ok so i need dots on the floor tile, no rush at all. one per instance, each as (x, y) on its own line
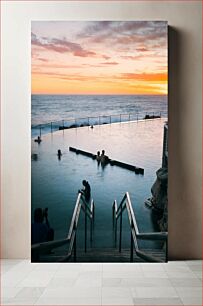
(61, 282)
(173, 283)
(189, 291)
(67, 274)
(117, 301)
(122, 274)
(193, 262)
(69, 301)
(198, 274)
(185, 282)
(30, 292)
(49, 267)
(147, 282)
(9, 292)
(116, 292)
(159, 274)
(73, 292)
(22, 301)
(192, 301)
(153, 267)
(157, 301)
(37, 279)
(195, 268)
(178, 274)
(113, 282)
(177, 268)
(155, 292)
(88, 282)
(96, 267)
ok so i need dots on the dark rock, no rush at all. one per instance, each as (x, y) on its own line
(159, 192)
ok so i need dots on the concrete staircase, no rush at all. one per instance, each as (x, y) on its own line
(107, 255)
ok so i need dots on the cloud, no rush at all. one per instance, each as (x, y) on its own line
(142, 49)
(132, 57)
(42, 59)
(106, 57)
(148, 77)
(124, 32)
(61, 46)
(55, 66)
(109, 63)
(63, 76)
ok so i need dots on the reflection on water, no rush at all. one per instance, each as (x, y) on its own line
(55, 182)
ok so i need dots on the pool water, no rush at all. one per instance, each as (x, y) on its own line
(55, 183)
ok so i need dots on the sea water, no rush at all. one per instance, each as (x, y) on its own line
(75, 109)
(55, 183)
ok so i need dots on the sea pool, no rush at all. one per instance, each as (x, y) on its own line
(55, 183)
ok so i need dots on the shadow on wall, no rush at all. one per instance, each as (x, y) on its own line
(174, 143)
(181, 219)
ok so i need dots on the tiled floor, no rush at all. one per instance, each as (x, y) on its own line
(174, 283)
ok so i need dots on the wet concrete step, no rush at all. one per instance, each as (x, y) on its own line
(105, 255)
(108, 255)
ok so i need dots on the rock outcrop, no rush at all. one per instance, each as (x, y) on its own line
(159, 199)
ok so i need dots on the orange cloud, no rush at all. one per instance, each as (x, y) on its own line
(148, 77)
(80, 84)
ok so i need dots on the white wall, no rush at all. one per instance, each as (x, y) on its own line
(184, 18)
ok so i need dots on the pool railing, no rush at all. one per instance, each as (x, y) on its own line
(40, 249)
(63, 124)
(135, 235)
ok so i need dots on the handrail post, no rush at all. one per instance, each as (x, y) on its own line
(120, 117)
(113, 213)
(91, 227)
(115, 232)
(92, 220)
(131, 243)
(129, 117)
(120, 238)
(85, 228)
(88, 121)
(51, 128)
(40, 130)
(166, 250)
(110, 119)
(75, 245)
(93, 213)
(63, 124)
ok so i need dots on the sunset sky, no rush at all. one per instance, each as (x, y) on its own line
(104, 57)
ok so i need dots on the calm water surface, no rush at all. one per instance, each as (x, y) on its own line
(55, 183)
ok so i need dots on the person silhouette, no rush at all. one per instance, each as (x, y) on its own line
(40, 230)
(86, 191)
(59, 154)
(38, 140)
(104, 158)
(98, 156)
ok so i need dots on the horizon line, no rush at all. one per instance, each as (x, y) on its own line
(93, 94)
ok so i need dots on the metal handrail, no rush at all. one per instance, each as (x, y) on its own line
(42, 248)
(74, 122)
(117, 212)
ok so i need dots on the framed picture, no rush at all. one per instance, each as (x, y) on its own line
(99, 141)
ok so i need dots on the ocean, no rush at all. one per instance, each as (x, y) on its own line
(72, 110)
